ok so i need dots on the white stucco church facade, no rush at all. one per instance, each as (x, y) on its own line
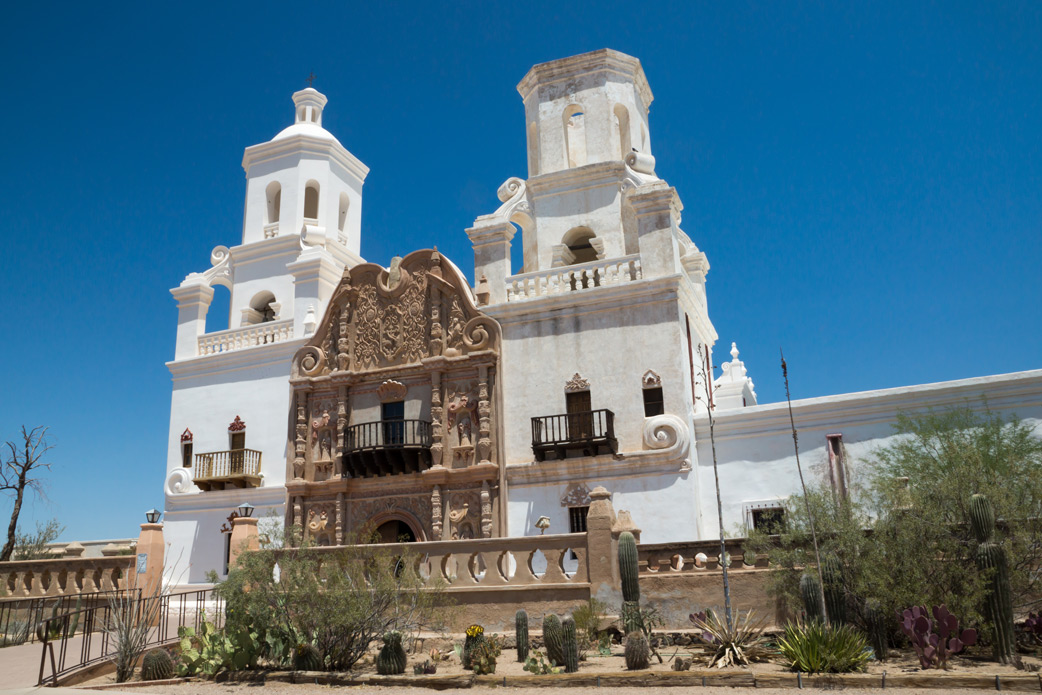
(426, 401)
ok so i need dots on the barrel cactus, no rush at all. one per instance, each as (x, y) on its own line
(553, 639)
(307, 658)
(835, 592)
(638, 651)
(875, 624)
(475, 636)
(157, 666)
(390, 660)
(571, 645)
(521, 634)
(991, 558)
(628, 568)
(810, 590)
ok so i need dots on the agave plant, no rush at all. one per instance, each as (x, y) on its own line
(815, 647)
(738, 645)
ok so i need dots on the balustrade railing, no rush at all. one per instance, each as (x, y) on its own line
(237, 463)
(529, 561)
(246, 337)
(64, 576)
(694, 556)
(573, 278)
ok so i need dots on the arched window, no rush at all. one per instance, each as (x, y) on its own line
(622, 122)
(274, 195)
(580, 242)
(264, 308)
(341, 221)
(575, 135)
(311, 201)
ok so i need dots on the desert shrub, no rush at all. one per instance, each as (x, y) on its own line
(340, 600)
(902, 536)
(588, 617)
(34, 544)
(815, 647)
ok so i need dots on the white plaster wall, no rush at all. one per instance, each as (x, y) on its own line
(755, 450)
(662, 505)
(267, 273)
(610, 346)
(597, 207)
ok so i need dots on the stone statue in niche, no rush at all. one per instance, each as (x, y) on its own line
(321, 438)
(317, 526)
(461, 418)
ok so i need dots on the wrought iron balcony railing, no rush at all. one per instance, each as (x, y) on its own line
(218, 470)
(590, 432)
(387, 447)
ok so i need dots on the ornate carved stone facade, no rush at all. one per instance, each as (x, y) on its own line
(395, 407)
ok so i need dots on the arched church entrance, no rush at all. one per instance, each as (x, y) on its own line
(394, 531)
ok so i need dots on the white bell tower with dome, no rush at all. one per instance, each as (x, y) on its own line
(227, 438)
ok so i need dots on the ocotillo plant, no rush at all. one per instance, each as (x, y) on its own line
(521, 634)
(991, 558)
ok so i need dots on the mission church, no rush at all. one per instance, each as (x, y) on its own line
(422, 402)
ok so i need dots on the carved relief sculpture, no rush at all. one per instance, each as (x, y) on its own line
(436, 513)
(577, 383)
(301, 442)
(486, 511)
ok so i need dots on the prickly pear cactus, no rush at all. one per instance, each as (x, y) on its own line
(553, 639)
(306, 658)
(521, 635)
(157, 666)
(628, 568)
(638, 652)
(390, 660)
(571, 645)
(835, 593)
(810, 590)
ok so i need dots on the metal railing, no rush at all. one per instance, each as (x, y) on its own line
(227, 464)
(592, 431)
(19, 618)
(389, 434)
(85, 636)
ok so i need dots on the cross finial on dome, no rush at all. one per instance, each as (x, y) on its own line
(310, 78)
(734, 351)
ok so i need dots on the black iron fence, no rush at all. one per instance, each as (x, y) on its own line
(388, 434)
(19, 617)
(86, 636)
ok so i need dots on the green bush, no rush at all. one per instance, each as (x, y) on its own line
(907, 507)
(815, 647)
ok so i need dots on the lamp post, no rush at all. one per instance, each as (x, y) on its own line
(152, 515)
(245, 510)
(148, 569)
(244, 533)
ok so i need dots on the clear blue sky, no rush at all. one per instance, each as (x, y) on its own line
(866, 183)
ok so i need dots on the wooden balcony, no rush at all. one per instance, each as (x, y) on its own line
(590, 433)
(220, 470)
(387, 447)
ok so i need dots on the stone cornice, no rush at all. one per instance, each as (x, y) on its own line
(653, 198)
(603, 60)
(419, 371)
(1002, 391)
(493, 233)
(304, 145)
(222, 500)
(550, 307)
(287, 244)
(595, 175)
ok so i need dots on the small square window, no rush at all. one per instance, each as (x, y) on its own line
(770, 520)
(653, 403)
(186, 455)
(577, 519)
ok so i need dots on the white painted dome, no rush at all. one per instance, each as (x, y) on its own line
(308, 105)
(310, 129)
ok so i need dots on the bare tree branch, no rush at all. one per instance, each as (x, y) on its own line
(22, 471)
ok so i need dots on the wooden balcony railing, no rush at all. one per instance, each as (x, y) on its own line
(387, 447)
(591, 432)
(219, 470)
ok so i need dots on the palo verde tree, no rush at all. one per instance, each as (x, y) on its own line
(20, 472)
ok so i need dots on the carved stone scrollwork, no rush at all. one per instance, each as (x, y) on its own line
(178, 482)
(391, 390)
(577, 495)
(576, 383)
(514, 196)
(484, 417)
(650, 380)
(311, 360)
(437, 413)
(486, 511)
(300, 444)
(436, 526)
(476, 333)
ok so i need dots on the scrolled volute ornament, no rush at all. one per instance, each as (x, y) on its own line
(178, 482)
(310, 360)
(665, 432)
(477, 334)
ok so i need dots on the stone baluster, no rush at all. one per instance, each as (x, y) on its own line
(437, 423)
(484, 417)
(300, 445)
(436, 513)
(341, 428)
(340, 518)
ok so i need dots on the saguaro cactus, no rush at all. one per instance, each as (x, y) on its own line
(553, 639)
(991, 558)
(810, 590)
(875, 621)
(835, 594)
(571, 645)
(521, 634)
(628, 572)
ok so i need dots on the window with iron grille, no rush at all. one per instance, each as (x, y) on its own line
(769, 520)
(577, 519)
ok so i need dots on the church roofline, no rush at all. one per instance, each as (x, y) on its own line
(585, 63)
